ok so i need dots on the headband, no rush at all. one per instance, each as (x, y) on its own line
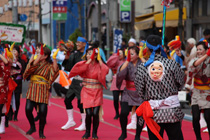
(81, 39)
(152, 56)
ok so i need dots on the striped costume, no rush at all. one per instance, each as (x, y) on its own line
(42, 76)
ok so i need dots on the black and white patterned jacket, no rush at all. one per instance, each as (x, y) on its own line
(172, 82)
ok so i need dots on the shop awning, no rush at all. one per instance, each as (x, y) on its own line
(144, 24)
(145, 16)
(172, 18)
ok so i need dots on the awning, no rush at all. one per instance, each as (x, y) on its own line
(144, 24)
(145, 16)
(172, 18)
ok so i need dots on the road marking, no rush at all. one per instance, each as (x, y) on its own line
(107, 123)
(21, 131)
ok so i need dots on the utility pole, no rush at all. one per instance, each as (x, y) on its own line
(99, 22)
(14, 12)
(107, 29)
(40, 21)
(180, 26)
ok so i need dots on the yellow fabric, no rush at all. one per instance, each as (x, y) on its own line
(44, 45)
(141, 52)
(35, 57)
(12, 46)
(98, 56)
(9, 54)
(172, 54)
(126, 52)
(39, 79)
(55, 53)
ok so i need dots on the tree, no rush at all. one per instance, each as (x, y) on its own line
(73, 37)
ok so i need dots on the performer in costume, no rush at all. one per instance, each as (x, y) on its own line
(94, 72)
(200, 100)
(18, 79)
(42, 73)
(5, 71)
(158, 82)
(129, 97)
(114, 61)
(75, 87)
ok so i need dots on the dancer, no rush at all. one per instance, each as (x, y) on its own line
(18, 79)
(129, 96)
(75, 87)
(94, 72)
(158, 82)
(42, 73)
(114, 61)
(5, 68)
(199, 70)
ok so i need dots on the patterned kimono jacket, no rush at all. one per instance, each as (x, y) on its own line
(129, 94)
(172, 82)
(42, 75)
(94, 77)
(201, 90)
(113, 63)
(4, 79)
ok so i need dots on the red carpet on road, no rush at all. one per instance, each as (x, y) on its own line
(109, 129)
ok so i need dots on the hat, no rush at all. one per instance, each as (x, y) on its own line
(70, 45)
(174, 44)
(132, 40)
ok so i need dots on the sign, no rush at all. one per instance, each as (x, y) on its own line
(59, 9)
(118, 35)
(10, 33)
(23, 17)
(125, 10)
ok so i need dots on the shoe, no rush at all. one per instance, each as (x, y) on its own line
(86, 135)
(82, 126)
(2, 125)
(116, 117)
(70, 122)
(205, 130)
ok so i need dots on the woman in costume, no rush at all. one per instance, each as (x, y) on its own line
(5, 68)
(94, 72)
(42, 73)
(114, 61)
(130, 96)
(199, 70)
(18, 78)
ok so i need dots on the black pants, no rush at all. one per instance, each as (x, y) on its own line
(68, 103)
(17, 93)
(125, 109)
(196, 118)
(59, 89)
(173, 131)
(92, 112)
(42, 110)
(116, 94)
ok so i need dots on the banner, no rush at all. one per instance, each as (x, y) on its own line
(10, 33)
(118, 35)
(59, 9)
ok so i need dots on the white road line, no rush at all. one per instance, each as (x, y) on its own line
(21, 131)
(130, 132)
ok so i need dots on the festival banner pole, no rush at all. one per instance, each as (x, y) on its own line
(164, 22)
(165, 4)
